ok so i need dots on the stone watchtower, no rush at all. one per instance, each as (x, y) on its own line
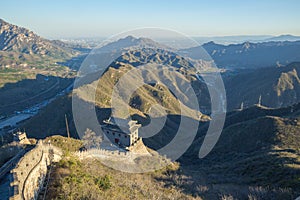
(121, 132)
(21, 137)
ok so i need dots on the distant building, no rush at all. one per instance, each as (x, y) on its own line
(21, 137)
(121, 132)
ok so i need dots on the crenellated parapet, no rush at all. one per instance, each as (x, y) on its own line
(30, 172)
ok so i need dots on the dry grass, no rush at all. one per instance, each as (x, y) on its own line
(76, 180)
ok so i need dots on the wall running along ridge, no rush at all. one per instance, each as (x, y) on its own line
(29, 174)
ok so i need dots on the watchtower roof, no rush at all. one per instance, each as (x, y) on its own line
(121, 125)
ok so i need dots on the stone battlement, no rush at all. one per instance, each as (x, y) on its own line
(30, 172)
(96, 151)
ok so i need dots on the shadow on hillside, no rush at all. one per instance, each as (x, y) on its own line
(28, 92)
(54, 114)
(242, 160)
(267, 84)
(260, 174)
(242, 157)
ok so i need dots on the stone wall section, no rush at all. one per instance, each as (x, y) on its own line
(29, 174)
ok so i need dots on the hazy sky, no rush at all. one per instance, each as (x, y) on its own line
(74, 18)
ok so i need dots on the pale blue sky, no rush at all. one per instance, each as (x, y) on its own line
(74, 18)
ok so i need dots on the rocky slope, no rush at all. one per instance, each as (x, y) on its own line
(177, 73)
(19, 45)
(258, 147)
(274, 86)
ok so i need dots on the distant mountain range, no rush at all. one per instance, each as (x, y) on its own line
(283, 38)
(251, 55)
(19, 45)
(235, 56)
(131, 42)
(225, 40)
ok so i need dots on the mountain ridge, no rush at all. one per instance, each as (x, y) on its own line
(284, 37)
(19, 45)
(249, 55)
(274, 86)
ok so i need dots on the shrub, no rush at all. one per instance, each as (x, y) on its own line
(103, 182)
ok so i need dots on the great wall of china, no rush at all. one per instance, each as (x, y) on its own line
(28, 176)
(27, 180)
(136, 150)
(102, 153)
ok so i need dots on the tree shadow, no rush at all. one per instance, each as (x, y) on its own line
(54, 115)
